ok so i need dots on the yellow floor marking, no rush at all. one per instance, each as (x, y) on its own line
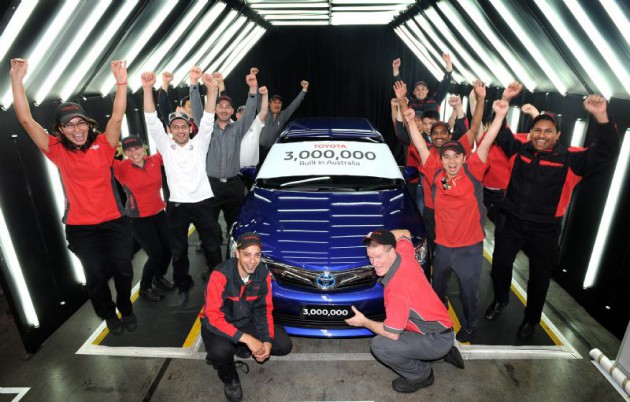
(193, 334)
(518, 294)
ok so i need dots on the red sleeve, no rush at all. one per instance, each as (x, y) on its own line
(466, 144)
(157, 157)
(212, 308)
(476, 166)
(54, 149)
(429, 168)
(119, 170)
(397, 311)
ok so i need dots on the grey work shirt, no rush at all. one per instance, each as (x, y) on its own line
(223, 160)
(273, 126)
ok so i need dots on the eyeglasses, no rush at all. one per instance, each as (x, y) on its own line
(176, 127)
(71, 126)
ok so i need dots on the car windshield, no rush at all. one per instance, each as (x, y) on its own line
(329, 183)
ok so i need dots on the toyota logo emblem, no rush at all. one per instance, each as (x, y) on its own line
(326, 280)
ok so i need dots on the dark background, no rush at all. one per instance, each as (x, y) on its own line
(349, 70)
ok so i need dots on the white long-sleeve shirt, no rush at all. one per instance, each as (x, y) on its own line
(185, 165)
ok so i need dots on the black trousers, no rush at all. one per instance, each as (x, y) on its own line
(428, 218)
(221, 349)
(105, 250)
(228, 197)
(540, 242)
(152, 234)
(180, 216)
(493, 200)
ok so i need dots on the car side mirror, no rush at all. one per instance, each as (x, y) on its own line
(248, 173)
(410, 172)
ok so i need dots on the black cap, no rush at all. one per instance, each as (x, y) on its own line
(225, 98)
(546, 116)
(420, 83)
(248, 239)
(381, 236)
(131, 142)
(68, 110)
(178, 115)
(275, 97)
(454, 146)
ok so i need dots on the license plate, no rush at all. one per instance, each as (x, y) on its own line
(325, 312)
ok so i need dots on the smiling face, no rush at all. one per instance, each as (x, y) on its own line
(76, 130)
(544, 135)
(440, 136)
(420, 91)
(452, 162)
(181, 131)
(381, 257)
(135, 155)
(224, 111)
(248, 259)
(427, 122)
(275, 106)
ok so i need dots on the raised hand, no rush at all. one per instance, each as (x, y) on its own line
(217, 76)
(455, 101)
(254, 70)
(195, 74)
(252, 82)
(263, 90)
(394, 102)
(448, 61)
(148, 80)
(19, 69)
(597, 106)
(500, 108)
(511, 91)
(119, 69)
(396, 63)
(530, 109)
(209, 81)
(480, 89)
(409, 115)
(167, 77)
(400, 89)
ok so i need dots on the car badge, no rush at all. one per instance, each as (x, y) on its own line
(326, 280)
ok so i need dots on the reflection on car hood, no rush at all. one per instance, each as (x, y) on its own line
(322, 230)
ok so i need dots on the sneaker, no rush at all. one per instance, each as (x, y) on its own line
(455, 358)
(114, 325)
(151, 295)
(465, 335)
(163, 283)
(401, 384)
(130, 322)
(233, 391)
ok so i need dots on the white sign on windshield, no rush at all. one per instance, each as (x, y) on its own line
(330, 158)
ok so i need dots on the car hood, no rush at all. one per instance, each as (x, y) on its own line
(322, 230)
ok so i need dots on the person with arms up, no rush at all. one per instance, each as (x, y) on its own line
(237, 316)
(141, 178)
(96, 229)
(544, 173)
(190, 193)
(417, 329)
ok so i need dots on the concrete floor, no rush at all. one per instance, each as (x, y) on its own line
(326, 370)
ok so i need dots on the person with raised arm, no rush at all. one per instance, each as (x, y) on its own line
(190, 193)
(97, 231)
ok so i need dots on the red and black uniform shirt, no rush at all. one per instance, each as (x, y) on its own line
(142, 185)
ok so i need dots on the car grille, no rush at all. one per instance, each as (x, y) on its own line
(296, 321)
(325, 281)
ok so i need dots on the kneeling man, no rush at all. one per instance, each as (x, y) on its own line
(417, 327)
(237, 316)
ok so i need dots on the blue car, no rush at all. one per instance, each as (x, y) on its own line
(324, 185)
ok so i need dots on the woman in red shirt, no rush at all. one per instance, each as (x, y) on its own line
(96, 229)
(141, 177)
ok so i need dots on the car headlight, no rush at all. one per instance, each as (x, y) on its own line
(422, 252)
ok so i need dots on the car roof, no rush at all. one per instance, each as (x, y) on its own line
(330, 128)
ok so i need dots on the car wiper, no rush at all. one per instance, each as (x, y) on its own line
(378, 187)
(309, 180)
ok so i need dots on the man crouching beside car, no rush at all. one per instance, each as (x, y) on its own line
(417, 327)
(236, 318)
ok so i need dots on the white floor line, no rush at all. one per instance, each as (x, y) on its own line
(20, 392)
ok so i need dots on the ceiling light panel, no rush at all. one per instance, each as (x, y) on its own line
(15, 25)
(419, 51)
(619, 17)
(242, 51)
(229, 53)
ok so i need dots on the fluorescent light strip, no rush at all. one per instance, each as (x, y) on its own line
(140, 40)
(257, 6)
(419, 52)
(234, 38)
(124, 127)
(382, 7)
(89, 59)
(608, 53)
(421, 22)
(43, 46)
(253, 39)
(15, 272)
(71, 49)
(372, 2)
(494, 66)
(506, 54)
(226, 36)
(446, 109)
(530, 46)
(229, 53)
(60, 202)
(182, 73)
(166, 46)
(272, 17)
(609, 210)
(308, 12)
(617, 15)
(479, 71)
(276, 22)
(361, 18)
(15, 25)
(581, 55)
(514, 117)
(579, 132)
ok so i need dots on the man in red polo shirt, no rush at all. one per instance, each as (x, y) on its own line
(417, 329)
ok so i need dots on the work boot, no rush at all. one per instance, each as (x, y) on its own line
(455, 358)
(163, 283)
(494, 310)
(114, 325)
(150, 295)
(233, 391)
(526, 331)
(401, 384)
(465, 334)
(130, 322)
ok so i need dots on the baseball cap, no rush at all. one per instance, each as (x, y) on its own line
(546, 116)
(248, 239)
(68, 110)
(131, 142)
(381, 236)
(275, 97)
(420, 83)
(440, 123)
(453, 146)
(178, 115)
(225, 98)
